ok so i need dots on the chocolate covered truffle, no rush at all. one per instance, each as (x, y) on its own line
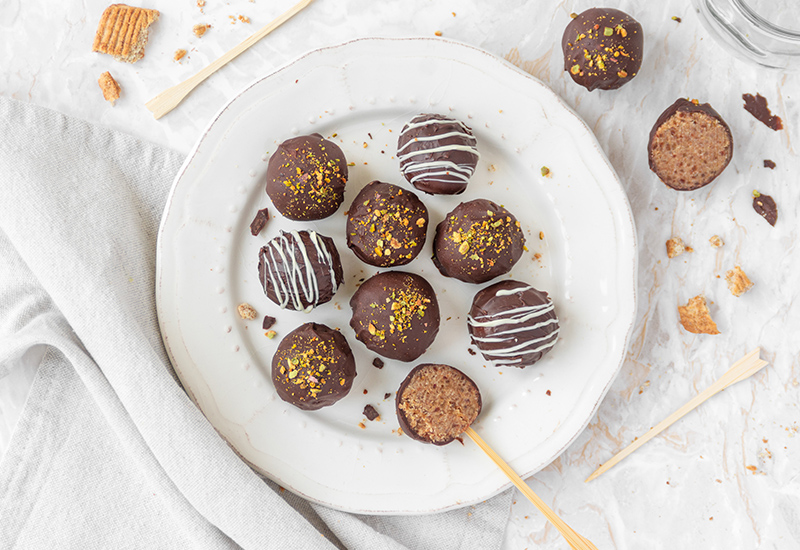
(477, 241)
(512, 324)
(437, 403)
(306, 177)
(300, 270)
(395, 314)
(602, 48)
(689, 145)
(313, 367)
(386, 225)
(437, 154)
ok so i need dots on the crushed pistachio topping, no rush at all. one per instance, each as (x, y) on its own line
(307, 367)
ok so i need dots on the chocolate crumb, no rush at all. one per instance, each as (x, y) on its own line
(757, 106)
(547, 392)
(259, 222)
(365, 391)
(386, 396)
(769, 164)
(268, 322)
(471, 351)
(377, 363)
(765, 206)
(371, 413)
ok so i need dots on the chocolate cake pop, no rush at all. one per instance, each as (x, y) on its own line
(437, 403)
(437, 154)
(690, 145)
(306, 177)
(313, 367)
(300, 270)
(512, 324)
(602, 48)
(386, 225)
(477, 241)
(395, 314)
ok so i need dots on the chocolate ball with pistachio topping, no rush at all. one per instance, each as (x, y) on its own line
(395, 314)
(477, 241)
(386, 225)
(602, 48)
(313, 367)
(306, 177)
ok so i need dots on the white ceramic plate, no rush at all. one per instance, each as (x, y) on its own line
(363, 92)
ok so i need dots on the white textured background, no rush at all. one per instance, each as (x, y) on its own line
(689, 488)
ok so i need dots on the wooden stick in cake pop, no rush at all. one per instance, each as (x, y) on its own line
(438, 403)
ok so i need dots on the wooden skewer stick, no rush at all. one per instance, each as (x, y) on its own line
(171, 97)
(575, 541)
(744, 368)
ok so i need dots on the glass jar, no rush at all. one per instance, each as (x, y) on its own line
(766, 32)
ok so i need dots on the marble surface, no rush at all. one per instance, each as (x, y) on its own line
(727, 475)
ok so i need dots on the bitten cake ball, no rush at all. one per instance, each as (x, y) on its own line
(437, 403)
(395, 314)
(477, 241)
(689, 145)
(512, 324)
(300, 270)
(386, 225)
(313, 367)
(306, 177)
(602, 48)
(437, 154)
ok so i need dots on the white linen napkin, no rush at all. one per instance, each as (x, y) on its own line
(109, 452)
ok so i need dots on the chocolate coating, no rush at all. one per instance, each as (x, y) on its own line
(512, 324)
(437, 403)
(437, 154)
(689, 146)
(306, 177)
(396, 315)
(477, 241)
(300, 270)
(602, 48)
(313, 367)
(386, 225)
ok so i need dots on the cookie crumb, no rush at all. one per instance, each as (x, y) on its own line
(438, 33)
(244, 19)
(696, 318)
(179, 54)
(200, 30)
(738, 282)
(716, 241)
(109, 87)
(246, 311)
(676, 247)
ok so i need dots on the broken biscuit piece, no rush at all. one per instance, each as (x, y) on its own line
(716, 241)
(738, 281)
(676, 247)
(109, 86)
(696, 318)
(123, 32)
